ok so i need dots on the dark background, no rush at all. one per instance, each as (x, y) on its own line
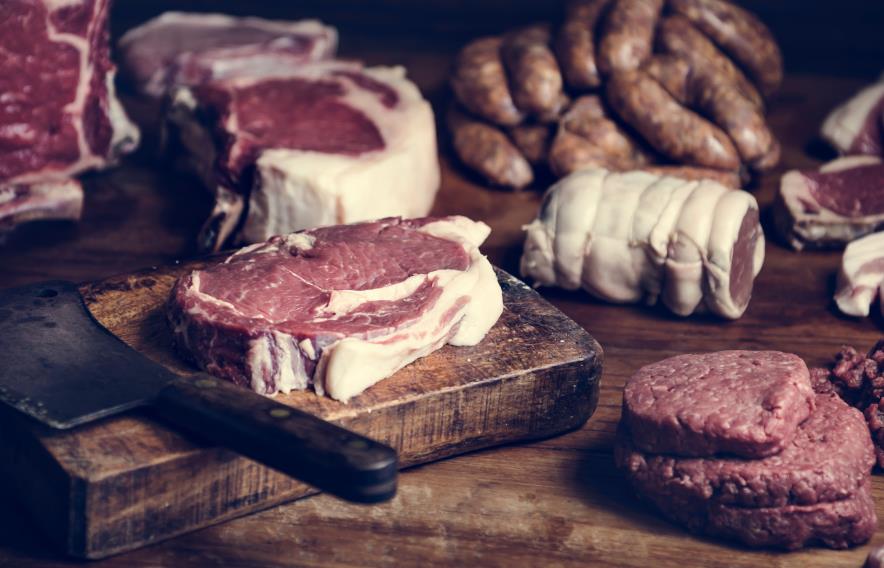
(837, 37)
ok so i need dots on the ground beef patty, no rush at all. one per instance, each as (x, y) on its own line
(746, 403)
(837, 524)
(828, 459)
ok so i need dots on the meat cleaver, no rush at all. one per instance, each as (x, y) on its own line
(59, 366)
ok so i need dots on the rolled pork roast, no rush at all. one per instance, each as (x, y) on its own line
(636, 236)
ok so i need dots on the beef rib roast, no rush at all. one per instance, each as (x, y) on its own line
(315, 145)
(180, 48)
(338, 308)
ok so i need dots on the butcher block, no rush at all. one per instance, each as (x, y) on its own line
(131, 480)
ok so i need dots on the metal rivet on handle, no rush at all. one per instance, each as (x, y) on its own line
(357, 443)
(280, 412)
(207, 383)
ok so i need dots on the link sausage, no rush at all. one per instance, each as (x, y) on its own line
(575, 44)
(741, 35)
(670, 128)
(628, 34)
(479, 82)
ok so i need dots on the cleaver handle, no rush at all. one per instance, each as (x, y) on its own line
(301, 445)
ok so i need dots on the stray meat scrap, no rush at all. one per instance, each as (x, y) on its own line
(859, 380)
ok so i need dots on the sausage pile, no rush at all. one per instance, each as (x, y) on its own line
(623, 85)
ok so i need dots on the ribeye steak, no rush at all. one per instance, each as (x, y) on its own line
(339, 307)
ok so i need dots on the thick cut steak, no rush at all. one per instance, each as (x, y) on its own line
(314, 145)
(857, 126)
(841, 202)
(340, 307)
(637, 236)
(62, 199)
(58, 112)
(179, 48)
(861, 277)
(744, 403)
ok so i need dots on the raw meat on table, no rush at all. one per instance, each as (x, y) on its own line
(314, 145)
(841, 202)
(180, 48)
(338, 308)
(861, 278)
(857, 126)
(59, 115)
(62, 199)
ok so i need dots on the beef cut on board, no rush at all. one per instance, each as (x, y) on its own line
(338, 308)
(181, 48)
(59, 114)
(310, 145)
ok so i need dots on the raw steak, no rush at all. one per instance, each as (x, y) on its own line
(21, 203)
(637, 236)
(829, 459)
(338, 307)
(857, 126)
(314, 145)
(842, 201)
(861, 277)
(179, 48)
(744, 403)
(58, 112)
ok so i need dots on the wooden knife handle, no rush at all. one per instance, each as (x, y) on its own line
(294, 442)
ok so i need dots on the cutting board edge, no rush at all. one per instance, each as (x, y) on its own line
(86, 542)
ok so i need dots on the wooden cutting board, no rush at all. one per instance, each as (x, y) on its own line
(129, 481)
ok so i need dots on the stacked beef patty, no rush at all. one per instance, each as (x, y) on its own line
(737, 444)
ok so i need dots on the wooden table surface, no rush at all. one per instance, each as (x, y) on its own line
(558, 502)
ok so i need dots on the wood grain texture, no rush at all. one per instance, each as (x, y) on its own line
(557, 502)
(133, 480)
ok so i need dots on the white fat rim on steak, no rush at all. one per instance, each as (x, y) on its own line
(350, 365)
(295, 189)
(845, 123)
(861, 275)
(634, 235)
(824, 224)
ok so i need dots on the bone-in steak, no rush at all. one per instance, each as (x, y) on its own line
(314, 145)
(179, 48)
(338, 307)
(58, 111)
